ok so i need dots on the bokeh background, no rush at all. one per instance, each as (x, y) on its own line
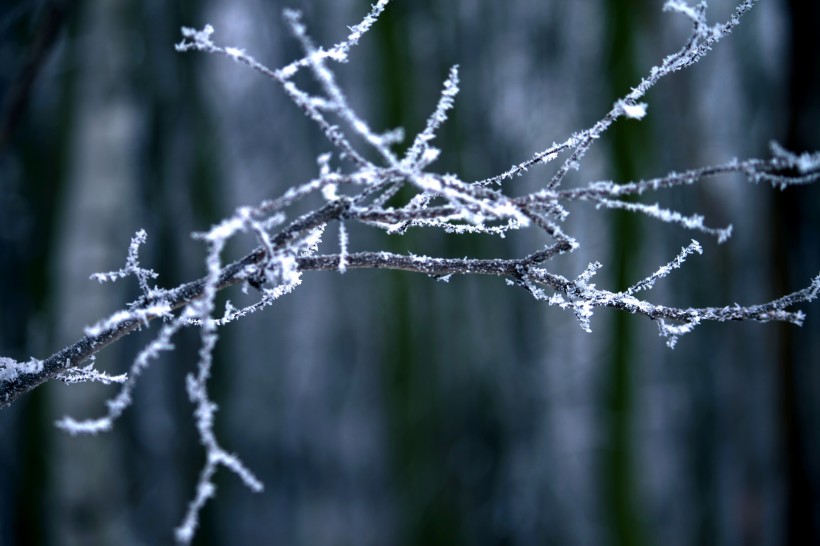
(388, 408)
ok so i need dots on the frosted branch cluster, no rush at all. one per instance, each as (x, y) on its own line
(355, 189)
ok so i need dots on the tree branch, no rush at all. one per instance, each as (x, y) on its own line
(370, 195)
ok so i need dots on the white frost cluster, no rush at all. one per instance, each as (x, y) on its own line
(11, 370)
(635, 110)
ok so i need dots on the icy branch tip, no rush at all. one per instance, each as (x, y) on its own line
(804, 163)
(199, 39)
(74, 427)
(696, 13)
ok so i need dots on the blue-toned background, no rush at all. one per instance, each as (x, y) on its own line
(386, 408)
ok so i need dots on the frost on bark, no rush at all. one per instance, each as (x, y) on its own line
(371, 178)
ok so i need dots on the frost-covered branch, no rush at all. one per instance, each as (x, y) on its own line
(352, 189)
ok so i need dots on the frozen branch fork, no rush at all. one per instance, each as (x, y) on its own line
(358, 190)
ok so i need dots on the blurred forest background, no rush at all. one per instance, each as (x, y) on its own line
(387, 408)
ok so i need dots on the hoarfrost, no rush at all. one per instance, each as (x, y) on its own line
(374, 193)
